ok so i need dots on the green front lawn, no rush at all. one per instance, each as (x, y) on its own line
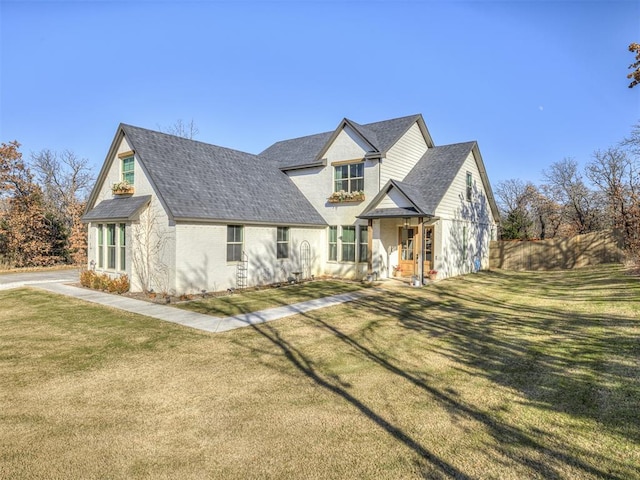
(506, 375)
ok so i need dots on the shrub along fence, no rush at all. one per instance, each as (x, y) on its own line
(557, 253)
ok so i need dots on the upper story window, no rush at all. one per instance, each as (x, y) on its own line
(469, 186)
(126, 167)
(349, 177)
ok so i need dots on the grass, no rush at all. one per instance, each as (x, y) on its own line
(5, 268)
(504, 375)
(254, 300)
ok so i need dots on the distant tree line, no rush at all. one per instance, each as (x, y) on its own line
(570, 201)
(41, 203)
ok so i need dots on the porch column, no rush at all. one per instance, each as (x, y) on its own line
(421, 250)
(370, 246)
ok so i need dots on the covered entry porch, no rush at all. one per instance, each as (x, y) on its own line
(401, 243)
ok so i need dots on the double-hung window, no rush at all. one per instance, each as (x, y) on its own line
(235, 239)
(100, 246)
(123, 246)
(363, 244)
(349, 177)
(348, 243)
(282, 242)
(333, 244)
(469, 186)
(127, 169)
(111, 246)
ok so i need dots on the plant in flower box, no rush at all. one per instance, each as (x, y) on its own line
(344, 196)
(122, 188)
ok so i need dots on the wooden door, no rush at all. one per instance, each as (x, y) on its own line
(407, 253)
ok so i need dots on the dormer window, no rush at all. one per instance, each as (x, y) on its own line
(126, 167)
(349, 177)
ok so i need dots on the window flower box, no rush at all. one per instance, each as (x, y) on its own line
(343, 196)
(122, 188)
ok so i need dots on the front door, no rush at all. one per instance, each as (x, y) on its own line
(407, 253)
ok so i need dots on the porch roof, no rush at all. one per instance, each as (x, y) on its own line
(117, 208)
(393, 213)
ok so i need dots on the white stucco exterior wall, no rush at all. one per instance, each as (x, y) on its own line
(317, 185)
(161, 277)
(202, 263)
(466, 227)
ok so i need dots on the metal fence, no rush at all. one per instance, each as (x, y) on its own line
(557, 253)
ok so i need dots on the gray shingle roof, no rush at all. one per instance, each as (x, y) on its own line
(428, 181)
(390, 213)
(297, 151)
(388, 132)
(201, 181)
(117, 208)
(305, 150)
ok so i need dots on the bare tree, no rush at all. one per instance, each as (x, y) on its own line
(632, 142)
(565, 185)
(181, 129)
(515, 200)
(547, 213)
(617, 176)
(65, 180)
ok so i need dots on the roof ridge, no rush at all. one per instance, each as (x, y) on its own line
(469, 142)
(415, 115)
(366, 132)
(184, 139)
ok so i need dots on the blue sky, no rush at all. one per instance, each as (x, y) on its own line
(532, 81)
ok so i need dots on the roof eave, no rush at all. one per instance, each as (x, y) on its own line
(106, 165)
(485, 180)
(383, 191)
(336, 132)
(322, 163)
(227, 221)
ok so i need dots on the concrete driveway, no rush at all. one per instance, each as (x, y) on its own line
(15, 280)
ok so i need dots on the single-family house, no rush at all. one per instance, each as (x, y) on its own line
(379, 199)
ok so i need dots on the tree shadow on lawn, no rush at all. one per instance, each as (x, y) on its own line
(582, 364)
(473, 331)
(557, 284)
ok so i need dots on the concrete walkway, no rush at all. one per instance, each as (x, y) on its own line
(193, 319)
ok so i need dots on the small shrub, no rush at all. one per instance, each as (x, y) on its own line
(86, 278)
(102, 281)
(97, 281)
(119, 285)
